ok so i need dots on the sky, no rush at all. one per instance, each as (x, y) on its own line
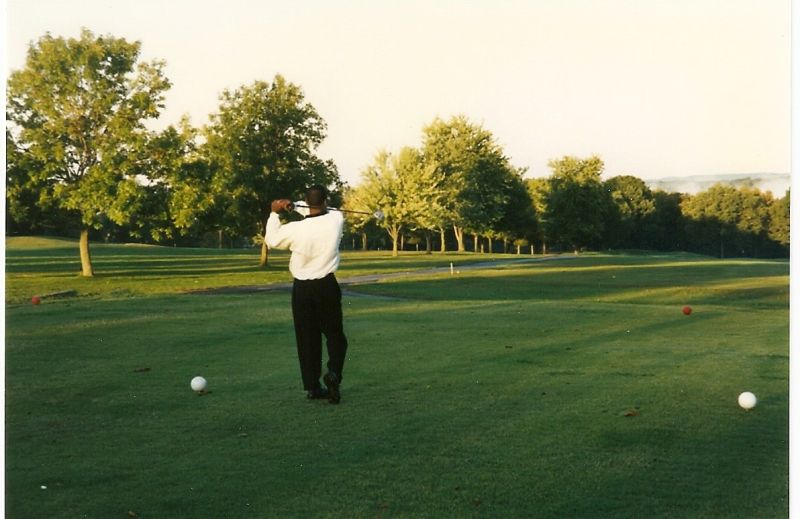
(656, 88)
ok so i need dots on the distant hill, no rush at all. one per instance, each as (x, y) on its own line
(778, 183)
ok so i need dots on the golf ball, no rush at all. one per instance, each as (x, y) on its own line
(199, 384)
(747, 400)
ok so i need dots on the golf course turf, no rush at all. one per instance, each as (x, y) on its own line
(573, 387)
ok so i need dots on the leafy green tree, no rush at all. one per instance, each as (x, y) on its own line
(447, 147)
(711, 218)
(26, 210)
(414, 183)
(779, 221)
(728, 221)
(356, 223)
(577, 203)
(632, 203)
(425, 190)
(664, 227)
(77, 110)
(389, 184)
(517, 222)
(261, 145)
(474, 173)
(753, 221)
(486, 196)
(714, 219)
(178, 199)
(538, 190)
(363, 222)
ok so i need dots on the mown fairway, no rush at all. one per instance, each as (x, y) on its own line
(567, 388)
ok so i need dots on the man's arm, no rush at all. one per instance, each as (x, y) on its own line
(277, 235)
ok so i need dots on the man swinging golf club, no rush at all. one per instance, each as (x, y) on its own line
(316, 296)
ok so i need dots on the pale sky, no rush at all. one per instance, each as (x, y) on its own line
(657, 88)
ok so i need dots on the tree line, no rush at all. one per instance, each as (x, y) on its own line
(80, 160)
(459, 181)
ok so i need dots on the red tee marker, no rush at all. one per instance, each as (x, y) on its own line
(687, 310)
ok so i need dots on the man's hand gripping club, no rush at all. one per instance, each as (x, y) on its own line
(282, 204)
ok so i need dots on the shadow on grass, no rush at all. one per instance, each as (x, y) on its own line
(144, 270)
(756, 283)
(134, 265)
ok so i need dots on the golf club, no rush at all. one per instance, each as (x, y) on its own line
(377, 214)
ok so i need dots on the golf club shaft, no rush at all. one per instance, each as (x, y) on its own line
(331, 208)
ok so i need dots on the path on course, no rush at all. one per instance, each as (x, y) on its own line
(374, 278)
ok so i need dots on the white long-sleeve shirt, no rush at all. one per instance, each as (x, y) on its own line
(314, 242)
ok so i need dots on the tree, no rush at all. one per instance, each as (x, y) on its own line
(389, 184)
(425, 191)
(706, 223)
(262, 145)
(77, 110)
(779, 221)
(179, 199)
(517, 222)
(539, 191)
(486, 194)
(664, 227)
(26, 210)
(473, 171)
(728, 221)
(713, 216)
(753, 221)
(577, 203)
(356, 223)
(632, 203)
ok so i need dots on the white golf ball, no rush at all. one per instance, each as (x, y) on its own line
(747, 400)
(199, 384)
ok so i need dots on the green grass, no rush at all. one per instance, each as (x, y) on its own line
(46, 265)
(570, 388)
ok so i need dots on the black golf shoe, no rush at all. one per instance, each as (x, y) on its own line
(332, 381)
(318, 393)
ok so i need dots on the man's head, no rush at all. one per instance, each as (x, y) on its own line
(316, 196)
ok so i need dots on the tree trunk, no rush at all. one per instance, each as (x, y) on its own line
(402, 242)
(459, 237)
(219, 246)
(491, 245)
(475, 243)
(443, 245)
(531, 249)
(428, 245)
(519, 250)
(394, 234)
(86, 257)
(544, 248)
(264, 261)
(364, 240)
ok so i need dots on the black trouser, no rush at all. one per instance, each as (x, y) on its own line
(317, 310)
